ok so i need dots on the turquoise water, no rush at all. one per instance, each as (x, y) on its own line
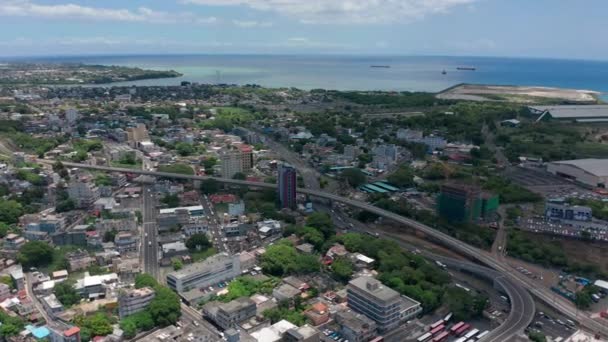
(413, 73)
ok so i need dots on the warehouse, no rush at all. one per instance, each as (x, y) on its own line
(589, 172)
(578, 113)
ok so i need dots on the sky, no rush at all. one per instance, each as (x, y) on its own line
(511, 28)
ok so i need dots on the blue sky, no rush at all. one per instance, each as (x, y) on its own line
(524, 28)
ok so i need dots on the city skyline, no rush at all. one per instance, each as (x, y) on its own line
(388, 27)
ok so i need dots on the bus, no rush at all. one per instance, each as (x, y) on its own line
(441, 337)
(483, 334)
(424, 338)
(447, 318)
(463, 287)
(461, 339)
(378, 339)
(436, 324)
(437, 330)
(456, 327)
(462, 329)
(472, 333)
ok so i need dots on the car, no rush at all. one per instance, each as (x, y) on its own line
(149, 243)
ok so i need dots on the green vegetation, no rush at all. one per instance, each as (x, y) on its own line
(210, 186)
(390, 100)
(10, 326)
(202, 255)
(284, 312)
(247, 286)
(177, 264)
(403, 177)
(141, 321)
(470, 233)
(464, 305)
(176, 168)
(407, 273)
(184, 149)
(282, 259)
(226, 118)
(546, 254)
(66, 294)
(103, 179)
(35, 253)
(35, 144)
(90, 326)
(171, 201)
(321, 221)
(30, 176)
(342, 269)
(509, 192)
(353, 176)
(599, 208)
(537, 336)
(10, 211)
(165, 307)
(583, 299)
(198, 242)
(526, 246)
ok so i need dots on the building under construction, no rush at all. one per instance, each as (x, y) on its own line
(466, 203)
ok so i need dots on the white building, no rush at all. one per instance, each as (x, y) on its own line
(215, 269)
(231, 164)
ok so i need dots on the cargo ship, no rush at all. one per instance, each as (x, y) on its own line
(466, 68)
(380, 66)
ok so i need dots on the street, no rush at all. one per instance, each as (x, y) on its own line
(150, 239)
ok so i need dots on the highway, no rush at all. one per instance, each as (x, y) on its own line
(150, 242)
(518, 279)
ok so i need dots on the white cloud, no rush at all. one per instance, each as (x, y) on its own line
(26, 8)
(345, 11)
(251, 23)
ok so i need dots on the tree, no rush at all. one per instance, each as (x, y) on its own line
(65, 205)
(184, 149)
(239, 176)
(321, 221)
(35, 253)
(312, 236)
(10, 211)
(209, 163)
(210, 186)
(403, 177)
(165, 307)
(109, 235)
(4, 228)
(66, 294)
(177, 265)
(354, 177)
(145, 280)
(198, 242)
(342, 268)
(96, 325)
(172, 201)
(282, 259)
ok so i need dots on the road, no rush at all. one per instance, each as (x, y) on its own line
(215, 228)
(522, 305)
(150, 231)
(484, 257)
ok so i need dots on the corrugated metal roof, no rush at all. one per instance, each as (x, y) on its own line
(596, 167)
(574, 111)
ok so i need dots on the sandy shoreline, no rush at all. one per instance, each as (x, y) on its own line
(524, 94)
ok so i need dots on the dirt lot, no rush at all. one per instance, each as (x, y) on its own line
(521, 94)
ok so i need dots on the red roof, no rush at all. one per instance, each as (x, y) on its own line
(223, 198)
(71, 331)
(246, 148)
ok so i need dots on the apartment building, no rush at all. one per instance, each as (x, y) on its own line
(215, 269)
(134, 300)
(383, 305)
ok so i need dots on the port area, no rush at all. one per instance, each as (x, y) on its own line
(520, 94)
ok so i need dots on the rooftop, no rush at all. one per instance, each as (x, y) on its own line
(236, 305)
(201, 266)
(596, 167)
(574, 111)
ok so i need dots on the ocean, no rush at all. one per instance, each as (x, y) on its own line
(406, 73)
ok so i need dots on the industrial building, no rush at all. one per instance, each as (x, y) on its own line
(464, 203)
(380, 303)
(215, 269)
(588, 172)
(577, 113)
